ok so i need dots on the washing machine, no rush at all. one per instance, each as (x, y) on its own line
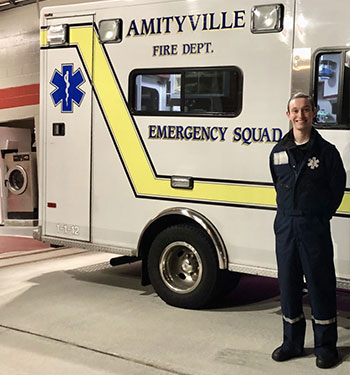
(22, 185)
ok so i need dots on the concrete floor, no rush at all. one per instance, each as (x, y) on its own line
(67, 311)
(17, 231)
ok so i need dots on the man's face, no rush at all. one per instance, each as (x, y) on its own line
(301, 114)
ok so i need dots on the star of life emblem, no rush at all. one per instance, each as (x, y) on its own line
(313, 163)
(67, 87)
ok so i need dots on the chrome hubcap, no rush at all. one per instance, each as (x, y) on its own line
(180, 267)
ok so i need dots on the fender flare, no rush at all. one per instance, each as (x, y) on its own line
(201, 221)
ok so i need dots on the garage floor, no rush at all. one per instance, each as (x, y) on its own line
(67, 311)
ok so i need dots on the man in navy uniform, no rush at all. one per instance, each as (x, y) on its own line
(309, 179)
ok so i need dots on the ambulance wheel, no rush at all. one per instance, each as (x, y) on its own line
(183, 267)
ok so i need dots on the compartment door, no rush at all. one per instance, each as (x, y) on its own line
(67, 132)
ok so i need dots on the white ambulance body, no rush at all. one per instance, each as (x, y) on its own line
(157, 120)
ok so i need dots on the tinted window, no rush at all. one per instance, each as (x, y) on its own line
(188, 91)
(333, 89)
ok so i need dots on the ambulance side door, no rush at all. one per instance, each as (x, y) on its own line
(67, 134)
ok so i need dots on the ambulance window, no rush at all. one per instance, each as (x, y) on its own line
(211, 91)
(332, 89)
(150, 99)
(205, 92)
(157, 93)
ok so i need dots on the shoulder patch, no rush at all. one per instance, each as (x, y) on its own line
(280, 158)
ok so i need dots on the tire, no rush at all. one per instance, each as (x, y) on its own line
(183, 267)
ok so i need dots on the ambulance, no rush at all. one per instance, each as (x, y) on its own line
(156, 123)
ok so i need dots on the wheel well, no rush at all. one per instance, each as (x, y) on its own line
(156, 227)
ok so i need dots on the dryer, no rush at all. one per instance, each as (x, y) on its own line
(22, 185)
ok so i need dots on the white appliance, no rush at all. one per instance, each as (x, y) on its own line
(11, 140)
(21, 183)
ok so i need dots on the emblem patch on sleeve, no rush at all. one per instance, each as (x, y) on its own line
(280, 158)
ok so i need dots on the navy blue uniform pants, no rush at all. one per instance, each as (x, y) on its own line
(304, 247)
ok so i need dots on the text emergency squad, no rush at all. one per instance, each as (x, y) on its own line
(245, 135)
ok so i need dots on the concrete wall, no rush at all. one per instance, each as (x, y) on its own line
(19, 78)
(19, 61)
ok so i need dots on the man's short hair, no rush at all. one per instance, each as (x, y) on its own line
(303, 96)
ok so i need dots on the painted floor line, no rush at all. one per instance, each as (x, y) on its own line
(26, 253)
(41, 260)
(84, 347)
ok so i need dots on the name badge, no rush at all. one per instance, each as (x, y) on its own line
(280, 158)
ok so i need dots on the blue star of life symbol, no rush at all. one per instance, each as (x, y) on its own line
(67, 87)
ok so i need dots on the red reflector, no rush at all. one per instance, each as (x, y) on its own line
(51, 204)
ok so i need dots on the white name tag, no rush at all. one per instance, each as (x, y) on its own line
(280, 158)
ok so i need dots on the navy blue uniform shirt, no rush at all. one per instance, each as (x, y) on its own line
(309, 179)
